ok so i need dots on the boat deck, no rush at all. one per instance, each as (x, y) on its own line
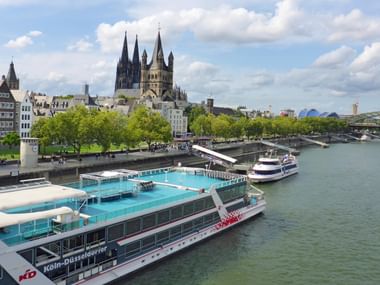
(118, 197)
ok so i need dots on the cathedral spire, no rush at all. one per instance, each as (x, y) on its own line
(157, 50)
(136, 57)
(124, 54)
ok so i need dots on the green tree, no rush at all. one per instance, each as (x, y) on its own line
(254, 128)
(11, 139)
(221, 126)
(107, 128)
(148, 126)
(193, 112)
(73, 127)
(45, 130)
(202, 125)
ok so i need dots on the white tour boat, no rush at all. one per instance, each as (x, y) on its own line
(273, 168)
(365, 138)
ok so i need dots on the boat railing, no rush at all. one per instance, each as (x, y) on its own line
(154, 171)
(107, 216)
(257, 193)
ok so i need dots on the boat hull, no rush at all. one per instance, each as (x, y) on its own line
(256, 178)
(123, 269)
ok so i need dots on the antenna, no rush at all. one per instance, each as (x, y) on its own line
(159, 27)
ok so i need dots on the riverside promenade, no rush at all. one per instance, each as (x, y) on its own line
(70, 170)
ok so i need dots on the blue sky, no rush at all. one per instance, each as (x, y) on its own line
(296, 54)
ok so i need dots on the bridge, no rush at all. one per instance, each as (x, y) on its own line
(370, 120)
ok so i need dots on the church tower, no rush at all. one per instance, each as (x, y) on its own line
(156, 77)
(12, 81)
(127, 71)
(136, 66)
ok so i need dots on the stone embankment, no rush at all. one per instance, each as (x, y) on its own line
(70, 170)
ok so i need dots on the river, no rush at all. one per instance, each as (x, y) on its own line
(321, 226)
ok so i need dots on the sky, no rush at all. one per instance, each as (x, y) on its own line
(322, 54)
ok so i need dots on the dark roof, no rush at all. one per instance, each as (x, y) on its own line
(222, 110)
(11, 73)
(157, 52)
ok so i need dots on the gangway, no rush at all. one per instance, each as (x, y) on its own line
(339, 139)
(322, 144)
(352, 137)
(213, 156)
(279, 146)
(372, 136)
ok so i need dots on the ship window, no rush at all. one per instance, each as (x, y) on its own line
(216, 217)
(28, 255)
(176, 212)
(163, 217)
(47, 252)
(197, 223)
(96, 237)
(72, 244)
(149, 221)
(132, 248)
(175, 233)
(199, 205)
(188, 209)
(115, 232)
(60, 272)
(187, 227)
(208, 219)
(162, 237)
(148, 242)
(209, 203)
(133, 226)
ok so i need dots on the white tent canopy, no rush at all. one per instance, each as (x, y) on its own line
(36, 195)
(16, 219)
(215, 154)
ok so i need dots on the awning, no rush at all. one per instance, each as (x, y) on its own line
(36, 195)
(16, 219)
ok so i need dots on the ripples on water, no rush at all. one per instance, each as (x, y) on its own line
(321, 226)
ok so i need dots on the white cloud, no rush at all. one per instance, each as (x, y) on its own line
(19, 42)
(55, 76)
(35, 33)
(368, 59)
(23, 41)
(82, 46)
(354, 26)
(260, 79)
(220, 24)
(335, 58)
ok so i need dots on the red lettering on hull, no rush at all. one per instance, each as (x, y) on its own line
(27, 275)
(232, 218)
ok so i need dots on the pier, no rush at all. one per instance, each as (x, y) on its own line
(372, 136)
(339, 139)
(352, 137)
(322, 144)
(279, 146)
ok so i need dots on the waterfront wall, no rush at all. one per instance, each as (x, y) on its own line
(241, 150)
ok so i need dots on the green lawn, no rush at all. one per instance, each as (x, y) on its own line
(14, 153)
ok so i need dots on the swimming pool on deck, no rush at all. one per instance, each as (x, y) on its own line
(169, 187)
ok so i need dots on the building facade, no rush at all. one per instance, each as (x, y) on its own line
(24, 113)
(7, 109)
(176, 118)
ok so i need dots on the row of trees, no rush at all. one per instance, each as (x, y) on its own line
(227, 127)
(79, 126)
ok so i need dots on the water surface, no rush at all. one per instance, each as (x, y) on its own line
(321, 226)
